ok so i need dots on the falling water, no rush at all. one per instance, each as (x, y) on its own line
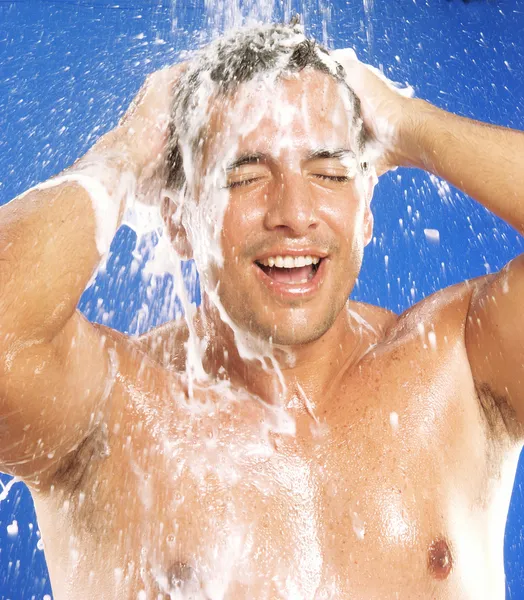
(368, 11)
(224, 15)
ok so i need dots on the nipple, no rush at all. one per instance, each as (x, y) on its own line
(440, 561)
(179, 575)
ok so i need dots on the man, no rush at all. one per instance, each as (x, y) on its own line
(286, 442)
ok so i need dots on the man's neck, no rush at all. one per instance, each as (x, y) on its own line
(298, 377)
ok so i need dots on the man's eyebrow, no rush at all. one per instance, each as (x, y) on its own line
(330, 153)
(247, 159)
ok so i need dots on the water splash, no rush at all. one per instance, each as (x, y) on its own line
(6, 487)
(222, 16)
(368, 11)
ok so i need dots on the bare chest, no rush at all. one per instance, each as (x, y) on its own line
(368, 500)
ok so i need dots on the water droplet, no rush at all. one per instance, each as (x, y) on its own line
(432, 235)
(12, 529)
(358, 525)
(393, 419)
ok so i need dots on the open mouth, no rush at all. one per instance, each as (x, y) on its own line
(290, 270)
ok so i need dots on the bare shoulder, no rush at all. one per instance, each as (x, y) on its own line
(444, 312)
(381, 319)
(445, 309)
(137, 387)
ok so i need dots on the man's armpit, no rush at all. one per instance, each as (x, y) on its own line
(74, 470)
(500, 417)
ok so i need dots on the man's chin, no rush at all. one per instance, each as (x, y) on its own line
(290, 334)
(292, 326)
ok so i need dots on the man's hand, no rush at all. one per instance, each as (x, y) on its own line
(142, 132)
(385, 107)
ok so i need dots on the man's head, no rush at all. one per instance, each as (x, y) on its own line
(268, 156)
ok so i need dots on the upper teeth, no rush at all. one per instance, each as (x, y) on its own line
(289, 262)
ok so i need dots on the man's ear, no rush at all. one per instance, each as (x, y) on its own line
(170, 211)
(369, 187)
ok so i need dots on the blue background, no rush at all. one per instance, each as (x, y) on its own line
(69, 68)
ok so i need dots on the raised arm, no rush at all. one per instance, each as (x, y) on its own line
(487, 163)
(55, 369)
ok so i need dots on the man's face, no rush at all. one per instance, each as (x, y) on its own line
(298, 216)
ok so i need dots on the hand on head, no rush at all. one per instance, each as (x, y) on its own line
(144, 128)
(384, 106)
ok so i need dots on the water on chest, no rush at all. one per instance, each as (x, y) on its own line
(234, 523)
(354, 505)
(280, 519)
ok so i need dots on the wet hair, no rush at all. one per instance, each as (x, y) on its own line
(238, 58)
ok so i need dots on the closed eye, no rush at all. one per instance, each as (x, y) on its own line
(242, 182)
(339, 178)
(322, 176)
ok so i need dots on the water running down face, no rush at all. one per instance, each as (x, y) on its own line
(286, 154)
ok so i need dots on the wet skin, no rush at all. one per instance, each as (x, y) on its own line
(354, 507)
(397, 480)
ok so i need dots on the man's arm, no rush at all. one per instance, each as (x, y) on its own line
(484, 161)
(487, 163)
(55, 370)
(52, 362)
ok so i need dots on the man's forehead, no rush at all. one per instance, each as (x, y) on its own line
(309, 110)
(285, 97)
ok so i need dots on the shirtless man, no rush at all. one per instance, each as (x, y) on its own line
(391, 476)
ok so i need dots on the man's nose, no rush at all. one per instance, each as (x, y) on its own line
(291, 206)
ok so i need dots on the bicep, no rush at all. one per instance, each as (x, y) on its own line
(52, 396)
(495, 339)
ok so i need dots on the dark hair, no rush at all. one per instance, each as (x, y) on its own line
(236, 59)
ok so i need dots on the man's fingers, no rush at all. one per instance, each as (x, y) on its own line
(175, 71)
(158, 85)
(168, 76)
(364, 78)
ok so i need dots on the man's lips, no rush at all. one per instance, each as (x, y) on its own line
(292, 282)
(292, 275)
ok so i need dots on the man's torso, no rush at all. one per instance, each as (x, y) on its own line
(396, 487)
